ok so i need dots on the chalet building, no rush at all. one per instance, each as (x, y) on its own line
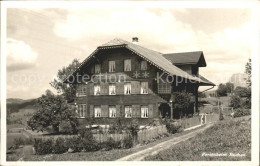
(124, 79)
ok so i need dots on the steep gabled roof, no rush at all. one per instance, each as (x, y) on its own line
(154, 57)
(196, 57)
(151, 56)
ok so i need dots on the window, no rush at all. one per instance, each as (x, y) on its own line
(97, 111)
(127, 65)
(112, 111)
(144, 112)
(164, 87)
(82, 90)
(144, 87)
(127, 88)
(96, 89)
(128, 111)
(82, 110)
(112, 66)
(144, 65)
(112, 89)
(97, 68)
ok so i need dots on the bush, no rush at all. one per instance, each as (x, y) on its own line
(43, 146)
(17, 142)
(235, 102)
(90, 145)
(67, 127)
(110, 144)
(22, 141)
(59, 146)
(75, 143)
(241, 112)
(128, 142)
(173, 127)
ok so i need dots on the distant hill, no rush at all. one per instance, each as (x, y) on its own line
(14, 104)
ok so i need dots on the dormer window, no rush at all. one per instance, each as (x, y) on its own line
(127, 65)
(144, 65)
(112, 66)
(97, 68)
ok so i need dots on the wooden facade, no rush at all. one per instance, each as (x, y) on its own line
(120, 83)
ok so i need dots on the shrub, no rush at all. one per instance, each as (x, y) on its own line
(128, 142)
(235, 102)
(90, 145)
(59, 146)
(110, 144)
(22, 141)
(67, 127)
(17, 142)
(43, 146)
(241, 112)
(173, 127)
(74, 143)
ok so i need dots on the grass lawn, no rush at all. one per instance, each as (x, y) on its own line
(230, 136)
(94, 156)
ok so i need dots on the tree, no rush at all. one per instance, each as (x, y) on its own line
(248, 72)
(68, 90)
(243, 92)
(229, 87)
(235, 101)
(182, 102)
(53, 110)
(222, 90)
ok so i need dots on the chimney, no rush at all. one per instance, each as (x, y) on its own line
(135, 40)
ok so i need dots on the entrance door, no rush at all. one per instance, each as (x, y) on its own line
(165, 110)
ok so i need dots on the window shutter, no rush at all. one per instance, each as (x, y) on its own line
(104, 66)
(104, 88)
(91, 111)
(120, 88)
(150, 87)
(118, 111)
(150, 111)
(134, 111)
(91, 89)
(138, 111)
(104, 111)
(135, 87)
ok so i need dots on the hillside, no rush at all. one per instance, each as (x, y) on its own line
(14, 105)
(19, 111)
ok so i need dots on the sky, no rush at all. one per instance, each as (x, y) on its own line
(41, 41)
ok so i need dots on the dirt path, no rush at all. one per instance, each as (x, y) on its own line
(138, 156)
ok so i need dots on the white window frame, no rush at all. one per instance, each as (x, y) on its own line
(128, 111)
(97, 68)
(127, 65)
(144, 65)
(144, 91)
(144, 111)
(112, 88)
(127, 89)
(97, 90)
(97, 111)
(112, 111)
(111, 66)
(82, 108)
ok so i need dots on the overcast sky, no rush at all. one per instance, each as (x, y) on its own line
(39, 42)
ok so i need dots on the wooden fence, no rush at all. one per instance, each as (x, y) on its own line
(145, 134)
